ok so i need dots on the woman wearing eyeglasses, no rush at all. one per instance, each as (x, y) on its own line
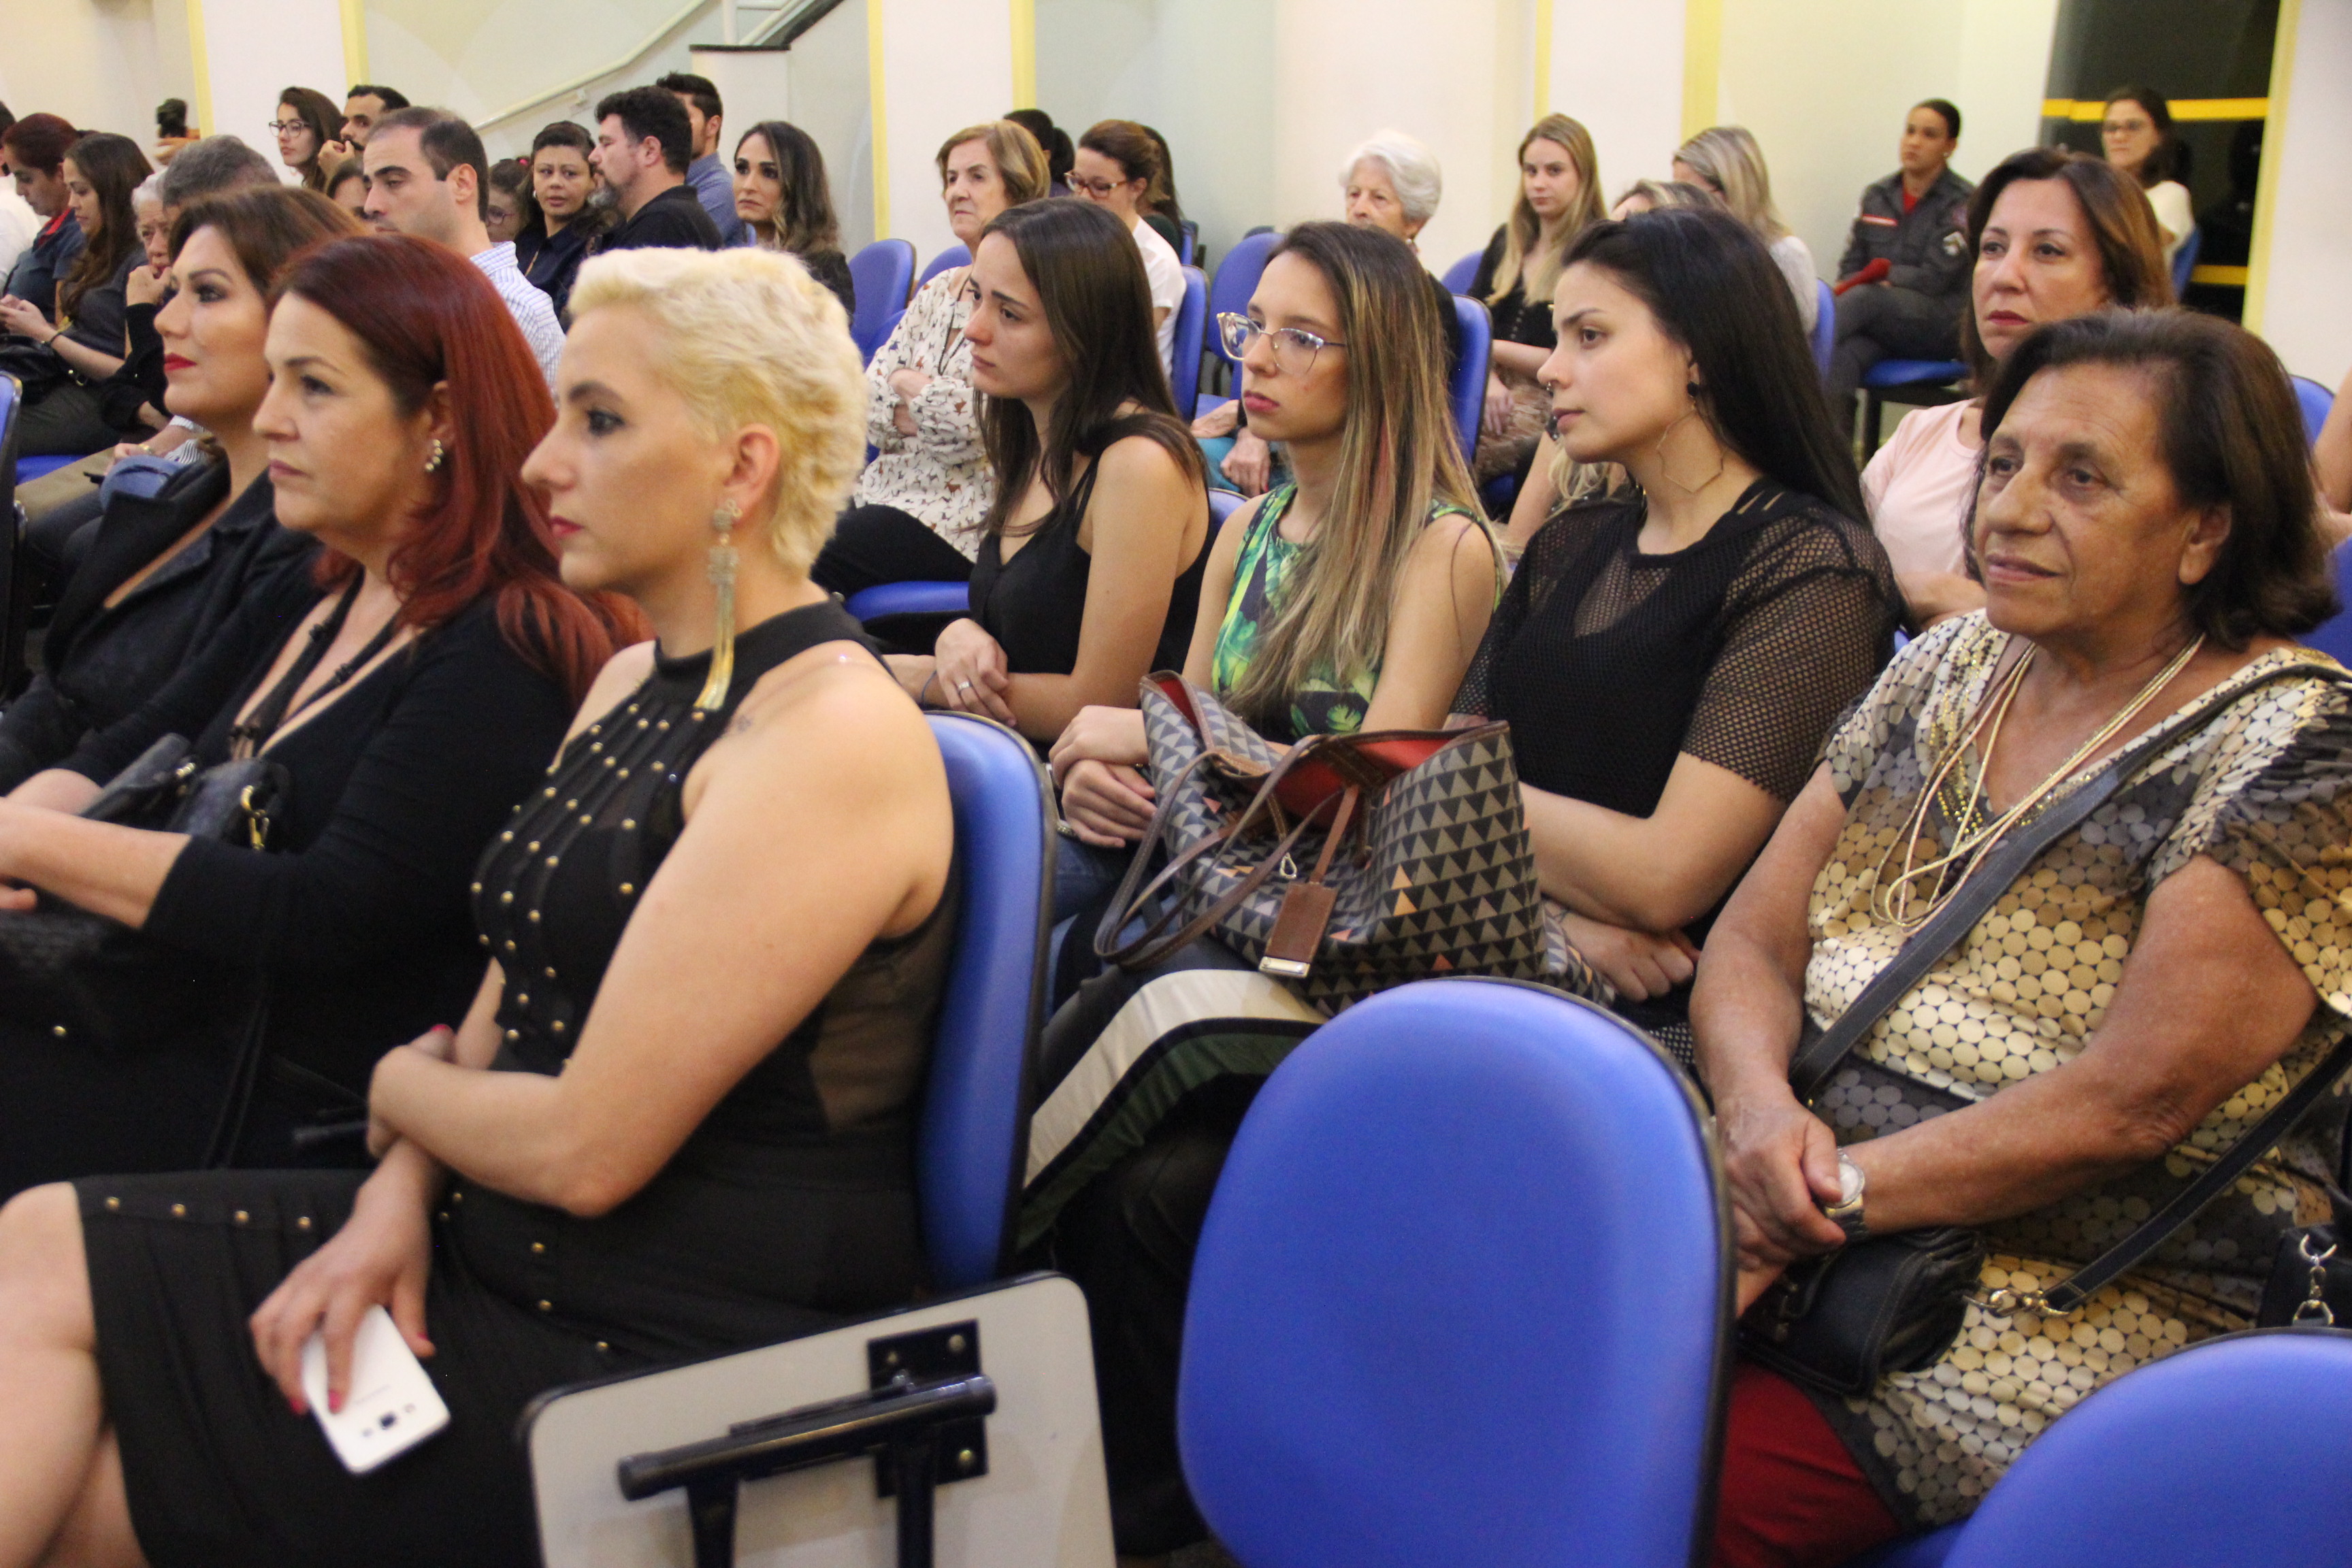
(306, 125)
(1350, 598)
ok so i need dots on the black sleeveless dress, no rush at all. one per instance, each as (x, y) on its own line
(1035, 604)
(792, 1204)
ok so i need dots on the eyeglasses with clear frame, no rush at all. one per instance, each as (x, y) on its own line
(1294, 348)
(1099, 189)
(287, 127)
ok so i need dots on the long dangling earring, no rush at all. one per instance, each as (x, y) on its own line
(434, 455)
(722, 636)
(1691, 412)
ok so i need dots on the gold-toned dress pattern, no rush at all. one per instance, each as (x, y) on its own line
(2264, 790)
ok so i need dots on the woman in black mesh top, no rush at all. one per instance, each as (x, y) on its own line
(1670, 658)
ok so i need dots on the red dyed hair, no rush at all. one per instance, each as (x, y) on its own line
(427, 317)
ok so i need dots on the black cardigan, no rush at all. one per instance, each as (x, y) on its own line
(99, 662)
(357, 916)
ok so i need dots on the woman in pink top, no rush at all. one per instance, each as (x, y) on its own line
(2055, 235)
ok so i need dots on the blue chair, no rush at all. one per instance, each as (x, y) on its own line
(31, 469)
(1230, 290)
(1189, 233)
(2184, 261)
(1458, 277)
(1185, 356)
(15, 598)
(1462, 1296)
(2333, 636)
(2317, 404)
(884, 273)
(953, 256)
(1824, 328)
(1924, 377)
(1468, 391)
(139, 476)
(974, 1132)
(2228, 1455)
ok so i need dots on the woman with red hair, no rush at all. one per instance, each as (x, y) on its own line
(411, 705)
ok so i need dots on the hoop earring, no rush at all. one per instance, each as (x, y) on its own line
(1664, 473)
(722, 636)
(434, 455)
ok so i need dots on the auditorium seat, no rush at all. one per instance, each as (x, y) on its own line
(15, 606)
(1468, 392)
(1459, 276)
(1921, 380)
(2317, 404)
(884, 273)
(2184, 261)
(1462, 1296)
(953, 256)
(1184, 354)
(1230, 291)
(1824, 328)
(31, 469)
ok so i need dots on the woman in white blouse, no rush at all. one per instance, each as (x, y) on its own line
(916, 515)
(2137, 135)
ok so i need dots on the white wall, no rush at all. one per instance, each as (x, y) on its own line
(255, 50)
(1618, 69)
(2306, 309)
(102, 64)
(830, 100)
(946, 64)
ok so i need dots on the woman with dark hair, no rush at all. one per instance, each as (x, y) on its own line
(1059, 151)
(167, 575)
(1159, 207)
(2136, 132)
(347, 187)
(2156, 980)
(552, 245)
(1350, 599)
(1670, 657)
(678, 1119)
(512, 209)
(1118, 161)
(1091, 559)
(412, 703)
(1559, 197)
(785, 201)
(61, 417)
(35, 147)
(306, 125)
(2054, 233)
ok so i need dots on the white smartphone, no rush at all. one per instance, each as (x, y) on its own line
(392, 1404)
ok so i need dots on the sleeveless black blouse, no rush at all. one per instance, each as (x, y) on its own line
(1034, 604)
(795, 1200)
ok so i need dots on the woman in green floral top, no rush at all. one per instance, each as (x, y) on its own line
(2158, 978)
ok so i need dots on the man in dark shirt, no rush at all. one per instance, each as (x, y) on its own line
(713, 182)
(643, 141)
(1910, 248)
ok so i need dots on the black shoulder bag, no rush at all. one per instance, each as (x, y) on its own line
(1892, 1303)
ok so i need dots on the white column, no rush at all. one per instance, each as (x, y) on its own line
(938, 66)
(248, 51)
(1618, 69)
(2302, 227)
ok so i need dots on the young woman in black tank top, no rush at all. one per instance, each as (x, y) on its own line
(1090, 561)
(677, 1118)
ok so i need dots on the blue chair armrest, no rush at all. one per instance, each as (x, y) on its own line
(910, 599)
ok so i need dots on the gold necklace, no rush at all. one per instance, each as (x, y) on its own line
(1894, 900)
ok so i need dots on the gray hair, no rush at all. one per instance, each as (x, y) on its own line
(1412, 168)
(150, 191)
(210, 165)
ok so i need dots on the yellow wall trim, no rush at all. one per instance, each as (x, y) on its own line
(881, 137)
(2223, 276)
(202, 62)
(354, 41)
(1543, 58)
(2266, 189)
(1702, 63)
(1024, 54)
(2092, 111)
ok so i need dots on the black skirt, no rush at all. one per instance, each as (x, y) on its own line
(220, 1473)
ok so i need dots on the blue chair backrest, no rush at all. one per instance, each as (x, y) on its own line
(11, 404)
(138, 476)
(1462, 1296)
(975, 1119)
(1237, 281)
(2184, 261)
(1825, 327)
(2333, 636)
(1459, 276)
(884, 273)
(953, 256)
(2317, 404)
(1191, 329)
(1188, 234)
(1468, 392)
(2231, 1453)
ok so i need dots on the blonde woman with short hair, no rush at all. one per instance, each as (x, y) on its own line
(1725, 161)
(1559, 197)
(675, 1121)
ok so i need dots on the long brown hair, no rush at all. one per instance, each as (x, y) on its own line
(264, 226)
(427, 317)
(1400, 457)
(1098, 304)
(1520, 235)
(318, 112)
(114, 165)
(2122, 227)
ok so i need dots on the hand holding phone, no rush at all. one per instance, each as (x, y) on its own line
(392, 1405)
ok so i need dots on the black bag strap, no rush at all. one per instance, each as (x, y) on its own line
(1983, 887)
(1992, 876)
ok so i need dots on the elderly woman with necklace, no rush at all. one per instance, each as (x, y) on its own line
(2157, 979)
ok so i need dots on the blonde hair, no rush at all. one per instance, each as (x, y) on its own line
(749, 338)
(1020, 161)
(1541, 268)
(1728, 159)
